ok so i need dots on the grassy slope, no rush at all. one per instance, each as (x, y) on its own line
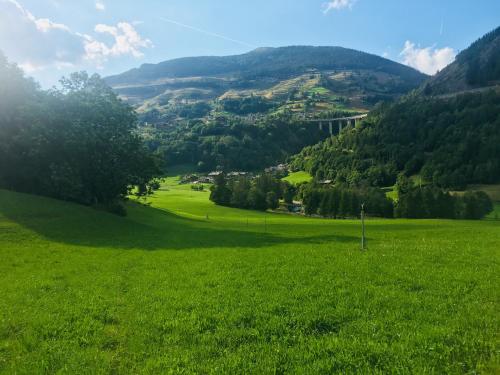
(298, 177)
(165, 289)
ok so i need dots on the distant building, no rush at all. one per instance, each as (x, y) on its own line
(326, 182)
(214, 174)
(277, 169)
(189, 178)
(206, 180)
(236, 174)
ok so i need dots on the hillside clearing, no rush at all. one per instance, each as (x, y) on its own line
(298, 177)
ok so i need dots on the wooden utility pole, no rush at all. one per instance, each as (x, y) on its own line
(363, 240)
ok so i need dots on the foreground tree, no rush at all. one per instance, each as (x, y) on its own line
(219, 192)
(78, 143)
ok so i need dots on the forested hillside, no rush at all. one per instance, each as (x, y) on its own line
(450, 140)
(477, 66)
(231, 143)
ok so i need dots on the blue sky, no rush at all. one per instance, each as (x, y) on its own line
(51, 38)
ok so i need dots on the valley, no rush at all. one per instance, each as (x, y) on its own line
(304, 208)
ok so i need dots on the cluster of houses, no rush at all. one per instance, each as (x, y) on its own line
(252, 118)
(196, 179)
(278, 169)
(210, 178)
(238, 174)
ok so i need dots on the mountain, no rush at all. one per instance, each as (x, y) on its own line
(297, 78)
(476, 67)
(271, 62)
(447, 136)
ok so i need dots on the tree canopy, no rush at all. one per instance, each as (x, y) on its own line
(231, 143)
(77, 143)
(260, 193)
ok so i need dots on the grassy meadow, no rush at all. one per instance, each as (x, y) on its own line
(183, 286)
(298, 177)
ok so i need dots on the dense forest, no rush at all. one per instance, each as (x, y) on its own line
(425, 202)
(476, 66)
(231, 143)
(341, 201)
(78, 143)
(483, 59)
(260, 193)
(414, 202)
(246, 106)
(450, 142)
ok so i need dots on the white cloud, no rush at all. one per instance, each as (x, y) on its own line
(127, 41)
(338, 5)
(428, 60)
(99, 5)
(38, 44)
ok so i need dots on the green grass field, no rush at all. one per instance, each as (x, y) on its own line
(167, 290)
(298, 177)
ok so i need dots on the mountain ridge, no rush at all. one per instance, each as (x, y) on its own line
(246, 58)
(293, 78)
(475, 67)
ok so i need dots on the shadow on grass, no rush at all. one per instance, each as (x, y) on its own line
(145, 228)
